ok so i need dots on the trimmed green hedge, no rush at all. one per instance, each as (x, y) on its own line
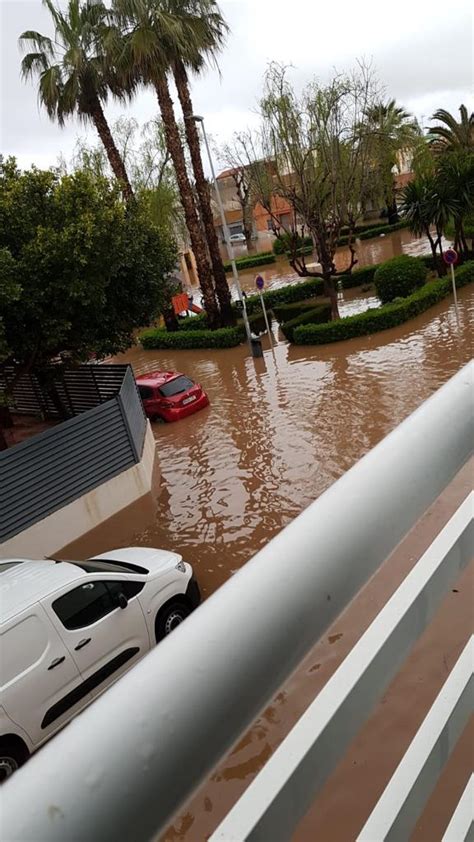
(285, 312)
(387, 316)
(316, 315)
(358, 277)
(224, 337)
(252, 260)
(198, 322)
(399, 277)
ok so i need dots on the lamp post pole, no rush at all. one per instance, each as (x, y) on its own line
(225, 229)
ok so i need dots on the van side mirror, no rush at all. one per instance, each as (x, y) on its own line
(122, 600)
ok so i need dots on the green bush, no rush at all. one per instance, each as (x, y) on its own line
(285, 312)
(317, 315)
(399, 277)
(282, 244)
(198, 322)
(365, 275)
(252, 260)
(387, 316)
(224, 337)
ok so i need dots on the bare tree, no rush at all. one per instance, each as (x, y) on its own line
(310, 152)
(233, 156)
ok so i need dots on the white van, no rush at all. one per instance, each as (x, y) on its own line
(69, 629)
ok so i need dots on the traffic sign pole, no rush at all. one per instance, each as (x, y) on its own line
(450, 257)
(453, 279)
(259, 282)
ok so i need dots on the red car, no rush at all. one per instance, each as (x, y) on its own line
(170, 395)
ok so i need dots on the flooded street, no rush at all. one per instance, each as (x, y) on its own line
(369, 252)
(277, 433)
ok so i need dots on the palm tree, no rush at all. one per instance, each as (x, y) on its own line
(140, 43)
(205, 33)
(389, 130)
(426, 203)
(73, 74)
(452, 136)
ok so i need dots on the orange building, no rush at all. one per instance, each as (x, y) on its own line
(262, 221)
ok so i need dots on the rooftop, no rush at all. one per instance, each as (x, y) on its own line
(23, 582)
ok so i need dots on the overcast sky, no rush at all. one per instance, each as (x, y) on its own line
(422, 49)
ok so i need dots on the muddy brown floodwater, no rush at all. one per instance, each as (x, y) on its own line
(277, 433)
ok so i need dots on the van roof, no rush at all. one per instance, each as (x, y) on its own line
(22, 582)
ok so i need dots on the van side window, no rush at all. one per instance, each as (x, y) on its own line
(84, 605)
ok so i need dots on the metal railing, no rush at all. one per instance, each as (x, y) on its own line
(170, 719)
(50, 470)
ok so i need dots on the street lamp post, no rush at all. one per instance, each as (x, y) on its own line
(228, 243)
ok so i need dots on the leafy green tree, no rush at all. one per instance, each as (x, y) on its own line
(74, 76)
(450, 135)
(92, 271)
(388, 131)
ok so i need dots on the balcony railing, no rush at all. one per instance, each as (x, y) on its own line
(170, 719)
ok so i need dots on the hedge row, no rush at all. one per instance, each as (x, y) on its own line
(390, 315)
(317, 315)
(253, 260)
(224, 337)
(285, 312)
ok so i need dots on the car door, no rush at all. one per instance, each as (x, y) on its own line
(104, 639)
(41, 683)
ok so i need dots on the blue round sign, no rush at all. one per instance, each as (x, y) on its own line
(450, 257)
(259, 282)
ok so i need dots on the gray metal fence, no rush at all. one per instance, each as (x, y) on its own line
(56, 467)
(77, 389)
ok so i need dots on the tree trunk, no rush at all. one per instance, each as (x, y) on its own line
(175, 148)
(171, 322)
(330, 291)
(220, 278)
(115, 159)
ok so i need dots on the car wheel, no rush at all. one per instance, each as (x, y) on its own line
(12, 755)
(170, 617)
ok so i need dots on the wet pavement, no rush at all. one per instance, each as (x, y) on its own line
(277, 433)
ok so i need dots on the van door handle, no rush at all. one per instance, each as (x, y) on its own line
(82, 643)
(56, 662)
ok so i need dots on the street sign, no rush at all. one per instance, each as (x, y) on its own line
(259, 282)
(450, 256)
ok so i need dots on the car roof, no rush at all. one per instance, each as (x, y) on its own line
(157, 378)
(24, 582)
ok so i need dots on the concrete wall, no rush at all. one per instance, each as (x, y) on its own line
(69, 523)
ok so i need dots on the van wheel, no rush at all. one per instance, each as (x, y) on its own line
(169, 618)
(13, 753)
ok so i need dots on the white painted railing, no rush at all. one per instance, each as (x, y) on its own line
(124, 766)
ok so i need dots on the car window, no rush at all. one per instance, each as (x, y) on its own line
(130, 589)
(91, 601)
(174, 387)
(84, 605)
(145, 392)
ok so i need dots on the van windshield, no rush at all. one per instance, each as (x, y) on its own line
(104, 566)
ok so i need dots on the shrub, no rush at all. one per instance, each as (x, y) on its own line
(252, 260)
(198, 322)
(224, 337)
(316, 315)
(387, 316)
(365, 275)
(282, 244)
(285, 312)
(399, 277)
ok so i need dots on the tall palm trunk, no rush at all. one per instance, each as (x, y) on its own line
(115, 159)
(220, 279)
(173, 143)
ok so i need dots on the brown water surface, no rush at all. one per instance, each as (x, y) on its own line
(277, 433)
